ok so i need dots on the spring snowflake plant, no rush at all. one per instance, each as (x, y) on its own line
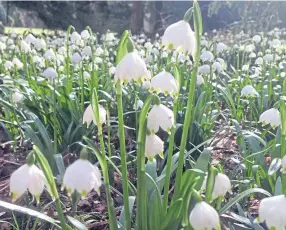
(60, 93)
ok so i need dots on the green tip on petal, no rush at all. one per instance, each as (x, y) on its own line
(83, 194)
(150, 159)
(37, 199)
(14, 196)
(161, 154)
(69, 190)
(170, 46)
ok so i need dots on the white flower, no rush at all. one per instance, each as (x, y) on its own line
(259, 61)
(164, 82)
(275, 43)
(217, 67)
(16, 62)
(204, 69)
(283, 164)
(50, 55)
(252, 55)
(30, 39)
(207, 56)
(160, 116)
(268, 57)
(148, 46)
(248, 90)
(272, 211)
(153, 146)
(204, 217)
(27, 177)
(146, 85)
(50, 73)
(112, 70)
(109, 37)
(88, 115)
(86, 51)
(82, 176)
(62, 50)
(131, 67)
(245, 68)
(86, 75)
(8, 65)
(99, 51)
(221, 186)
(220, 47)
(76, 58)
(17, 97)
(75, 37)
(25, 47)
(40, 44)
(256, 39)
(138, 105)
(271, 116)
(85, 35)
(200, 80)
(180, 36)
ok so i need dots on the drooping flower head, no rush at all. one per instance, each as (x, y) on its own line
(271, 117)
(272, 211)
(204, 217)
(153, 146)
(27, 177)
(160, 116)
(164, 82)
(82, 176)
(131, 67)
(180, 36)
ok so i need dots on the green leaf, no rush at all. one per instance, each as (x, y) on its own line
(122, 217)
(241, 196)
(122, 46)
(77, 224)
(151, 169)
(172, 219)
(61, 166)
(278, 187)
(29, 212)
(203, 160)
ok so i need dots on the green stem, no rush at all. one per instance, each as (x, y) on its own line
(55, 117)
(123, 156)
(169, 159)
(52, 185)
(82, 89)
(110, 205)
(141, 189)
(191, 96)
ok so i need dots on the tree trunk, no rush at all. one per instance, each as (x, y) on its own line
(136, 23)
